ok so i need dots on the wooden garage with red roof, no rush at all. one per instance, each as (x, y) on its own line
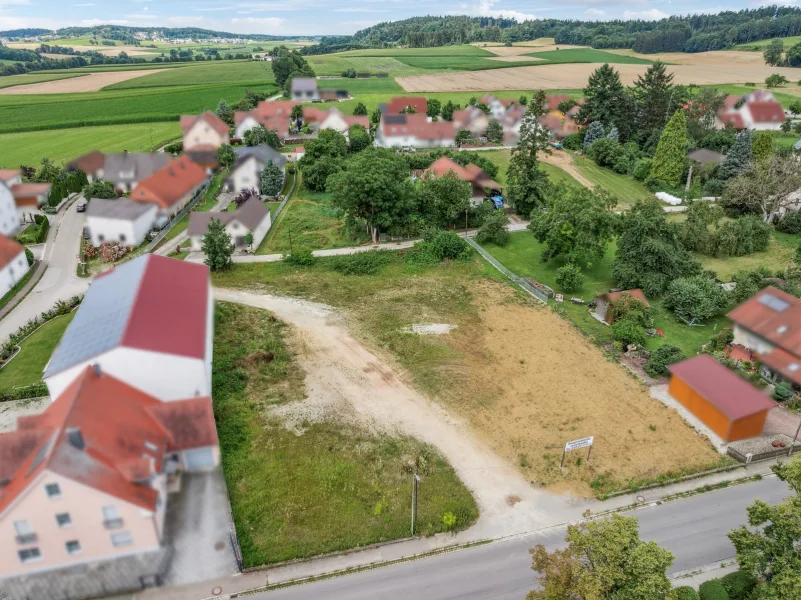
(723, 401)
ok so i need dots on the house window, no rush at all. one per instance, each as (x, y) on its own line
(123, 538)
(25, 534)
(63, 519)
(111, 517)
(29, 555)
(122, 237)
(73, 547)
(53, 490)
(100, 238)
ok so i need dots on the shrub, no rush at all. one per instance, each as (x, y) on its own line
(574, 141)
(446, 245)
(627, 306)
(628, 331)
(695, 298)
(642, 170)
(739, 585)
(29, 256)
(790, 222)
(782, 391)
(713, 590)
(494, 230)
(605, 152)
(723, 339)
(569, 277)
(302, 257)
(449, 520)
(111, 252)
(685, 592)
(362, 263)
(666, 354)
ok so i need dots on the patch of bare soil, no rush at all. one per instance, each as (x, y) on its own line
(91, 82)
(514, 58)
(715, 57)
(567, 76)
(565, 161)
(532, 383)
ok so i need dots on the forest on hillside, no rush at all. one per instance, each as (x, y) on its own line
(692, 33)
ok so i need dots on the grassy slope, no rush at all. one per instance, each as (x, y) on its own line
(12, 80)
(775, 258)
(217, 72)
(334, 64)
(759, 46)
(586, 55)
(26, 367)
(62, 145)
(626, 188)
(502, 158)
(332, 488)
(522, 256)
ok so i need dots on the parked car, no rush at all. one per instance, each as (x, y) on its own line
(86, 233)
(80, 207)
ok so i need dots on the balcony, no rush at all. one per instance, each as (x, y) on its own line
(28, 538)
(113, 523)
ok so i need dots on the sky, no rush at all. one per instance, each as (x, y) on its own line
(321, 17)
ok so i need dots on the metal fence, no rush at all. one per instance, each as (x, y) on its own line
(518, 280)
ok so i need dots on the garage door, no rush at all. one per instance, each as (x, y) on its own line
(202, 458)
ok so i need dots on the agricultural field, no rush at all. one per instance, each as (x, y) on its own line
(14, 80)
(215, 72)
(62, 145)
(759, 45)
(90, 82)
(335, 64)
(348, 484)
(491, 370)
(586, 55)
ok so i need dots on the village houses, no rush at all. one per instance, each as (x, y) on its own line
(171, 187)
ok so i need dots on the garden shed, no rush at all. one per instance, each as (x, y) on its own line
(604, 300)
(723, 401)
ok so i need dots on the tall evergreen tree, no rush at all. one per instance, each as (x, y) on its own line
(527, 183)
(671, 152)
(594, 132)
(656, 97)
(271, 179)
(217, 246)
(739, 156)
(607, 101)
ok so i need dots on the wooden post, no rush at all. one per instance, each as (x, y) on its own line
(562, 464)
(589, 452)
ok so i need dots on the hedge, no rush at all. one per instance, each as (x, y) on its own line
(42, 229)
(685, 592)
(713, 590)
(739, 585)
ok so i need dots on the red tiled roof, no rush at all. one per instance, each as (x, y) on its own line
(734, 118)
(30, 190)
(417, 125)
(636, 292)
(9, 250)
(554, 100)
(8, 174)
(90, 163)
(784, 363)
(444, 165)
(729, 393)
(766, 112)
(782, 328)
(312, 114)
(362, 120)
(396, 105)
(170, 184)
(215, 122)
(115, 421)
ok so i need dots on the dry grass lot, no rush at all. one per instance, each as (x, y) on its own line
(104, 50)
(570, 76)
(524, 380)
(91, 82)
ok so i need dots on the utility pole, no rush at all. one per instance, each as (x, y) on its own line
(415, 480)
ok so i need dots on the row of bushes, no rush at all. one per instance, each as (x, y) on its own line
(60, 308)
(739, 585)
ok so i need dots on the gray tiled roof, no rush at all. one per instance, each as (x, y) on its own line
(303, 84)
(250, 214)
(100, 321)
(262, 152)
(127, 167)
(122, 209)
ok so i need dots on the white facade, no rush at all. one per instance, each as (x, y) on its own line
(130, 232)
(237, 231)
(203, 134)
(246, 175)
(9, 219)
(752, 341)
(246, 125)
(13, 272)
(165, 376)
(392, 141)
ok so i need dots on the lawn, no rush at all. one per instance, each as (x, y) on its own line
(12, 80)
(585, 55)
(214, 72)
(62, 145)
(331, 488)
(204, 205)
(502, 158)
(27, 366)
(57, 111)
(462, 63)
(444, 51)
(775, 258)
(507, 370)
(624, 187)
(522, 256)
(785, 95)
(310, 221)
(17, 287)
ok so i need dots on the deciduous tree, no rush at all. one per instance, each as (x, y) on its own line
(495, 131)
(358, 138)
(99, 189)
(225, 112)
(260, 135)
(773, 53)
(217, 246)
(764, 189)
(447, 111)
(527, 183)
(433, 107)
(697, 297)
(444, 199)
(226, 156)
(360, 109)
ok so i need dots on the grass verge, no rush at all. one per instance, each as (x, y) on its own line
(19, 285)
(331, 488)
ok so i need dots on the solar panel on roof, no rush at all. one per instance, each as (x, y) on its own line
(773, 302)
(395, 119)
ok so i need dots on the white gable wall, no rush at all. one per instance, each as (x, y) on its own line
(123, 231)
(13, 272)
(246, 175)
(245, 126)
(203, 134)
(9, 220)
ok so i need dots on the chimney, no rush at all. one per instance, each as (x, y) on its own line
(97, 369)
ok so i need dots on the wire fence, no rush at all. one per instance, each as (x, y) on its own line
(537, 293)
(286, 197)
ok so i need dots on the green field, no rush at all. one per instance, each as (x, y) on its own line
(216, 72)
(62, 145)
(625, 188)
(12, 80)
(335, 64)
(58, 111)
(445, 51)
(586, 55)
(386, 86)
(786, 95)
(502, 158)
(759, 46)
(775, 258)
(522, 256)
(26, 367)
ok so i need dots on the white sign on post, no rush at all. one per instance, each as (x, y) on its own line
(576, 444)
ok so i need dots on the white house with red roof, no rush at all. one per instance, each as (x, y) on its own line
(271, 115)
(86, 480)
(405, 104)
(9, 220)
(204, 132)
(758, 110)
(147, 322)
(13, 263)
(29, 198)
(332, 118)
(414, 130)
(171, 187)
(473, 174)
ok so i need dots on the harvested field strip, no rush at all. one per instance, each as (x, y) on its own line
(552, 76)
(333, 484)
(587, 55)
(14, 80)
(446, 51)
(508, 369)
(91, 82)
(62, 145)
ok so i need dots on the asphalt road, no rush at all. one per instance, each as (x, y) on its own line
(693, 529)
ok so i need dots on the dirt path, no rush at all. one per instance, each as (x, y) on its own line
(343, 377)
(564, 161)
(91, 82)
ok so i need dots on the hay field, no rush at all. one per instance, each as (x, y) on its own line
(91, 82)
(715, 57)
(575, 76)
(104, 50)
(519, 49)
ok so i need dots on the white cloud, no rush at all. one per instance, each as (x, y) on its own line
(484, 8)
(141, 17)
(595, 12)
(359, 9)
(653, 14)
